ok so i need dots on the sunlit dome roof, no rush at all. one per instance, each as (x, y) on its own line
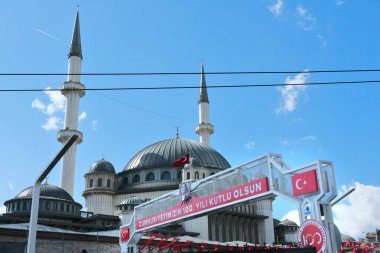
(47, 190)
(102, 166)
(133, 200)
(164, 153)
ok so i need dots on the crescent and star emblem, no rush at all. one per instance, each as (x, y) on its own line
(297, 184)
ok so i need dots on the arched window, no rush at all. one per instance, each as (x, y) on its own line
(188, 175)
(150, 177)
(108, 183)
(179, 175)
(136, 178)
(196, 175)
(91, 183)
(204, 175)
(165, 175)
(125, 181)
(99, 182)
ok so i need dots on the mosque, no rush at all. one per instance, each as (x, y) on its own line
(111, 195)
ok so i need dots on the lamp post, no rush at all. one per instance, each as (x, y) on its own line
(36, 194)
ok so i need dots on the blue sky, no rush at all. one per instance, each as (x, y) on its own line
(338, 123)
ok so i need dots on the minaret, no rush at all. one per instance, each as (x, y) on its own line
(73, 90)
(204, 129)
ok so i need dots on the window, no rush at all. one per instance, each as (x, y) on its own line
(125, 181)
(136, 178)
(55, 206)
(196, 175)
(212, 173)
(91, 183)
(18, 206)
(150, 177)
(24, 205)
(61, 206)
(165, 175)
(188, 175)
(204, 175)
(67, 208)
(179, 175)
(108, 183)
(99, 182)
(72, 208)
(47, 205)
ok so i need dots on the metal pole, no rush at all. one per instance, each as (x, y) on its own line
(343, 196)
(36, 194)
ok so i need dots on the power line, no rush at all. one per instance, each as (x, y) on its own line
(197, 87)
(192, 73)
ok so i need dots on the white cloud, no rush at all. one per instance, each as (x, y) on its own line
(307, 21)
(38, 104)
(48, 35)
(82, 116)
(359, 212)
(51, 123)
(276, 8)
(284, 142)
(291, 93)
(10, 185)
(322, 40)
(340, 2)
(94, 124)
(310, 137)
(57, 102)
(3, 209)
(293, 216)
(250, 145)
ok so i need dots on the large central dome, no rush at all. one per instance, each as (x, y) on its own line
(164, 153)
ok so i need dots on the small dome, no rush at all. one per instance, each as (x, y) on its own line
(102, 166)
(346, 238)
(47, 191)
(132, 201)
(164, 153)
(288, 223)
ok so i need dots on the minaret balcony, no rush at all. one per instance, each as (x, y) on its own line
(70, 86)
(65, 134)
(204, 128)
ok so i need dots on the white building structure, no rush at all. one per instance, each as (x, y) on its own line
(72, 89)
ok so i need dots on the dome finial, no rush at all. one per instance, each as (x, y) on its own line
(177, 132)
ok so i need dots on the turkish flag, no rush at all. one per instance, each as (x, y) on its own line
(182, 161)
(305, 183)
(367, 246)
(125, 234)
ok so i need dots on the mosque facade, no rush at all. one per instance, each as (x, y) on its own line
(110, 194)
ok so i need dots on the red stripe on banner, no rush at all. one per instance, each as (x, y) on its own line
(202, 245)
(162, 241)
(348, 243)
(356, 247)
(169, 244)
(374, 248)
(149, 241)
(183, 245)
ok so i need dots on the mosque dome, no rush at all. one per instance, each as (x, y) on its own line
(47, 191)
(102, 166)
(287, 223)
(164, 153)
(133, 200)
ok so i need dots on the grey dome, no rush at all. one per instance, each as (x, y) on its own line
(288, 223)
(47, 191)
(346, 238)
(164, 153)
(132, 201)
(102, 166)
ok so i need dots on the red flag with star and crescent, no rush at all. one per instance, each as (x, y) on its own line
(304, 183)
(182, 161)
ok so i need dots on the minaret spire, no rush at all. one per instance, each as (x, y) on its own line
(73, 90)
(76, 48)
(204, 129)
